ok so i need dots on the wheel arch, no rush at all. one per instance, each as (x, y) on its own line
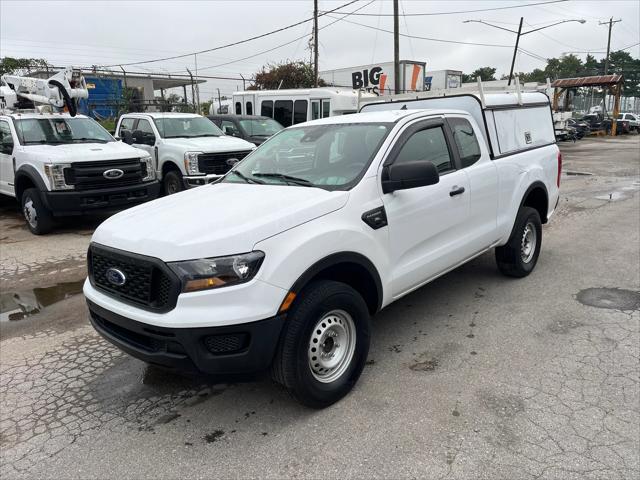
(537, 197)
(27, 177)
(351, 268)
(168, 165)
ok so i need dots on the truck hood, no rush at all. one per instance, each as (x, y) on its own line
(210, 144)
(82, 152)
(214, 220)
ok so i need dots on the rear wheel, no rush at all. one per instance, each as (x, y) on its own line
(325, 344)
(172, 182)
(519, 256)
(38, 217)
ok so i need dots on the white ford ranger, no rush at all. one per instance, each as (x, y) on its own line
(57, 165)
(326, 223)
(187, 149)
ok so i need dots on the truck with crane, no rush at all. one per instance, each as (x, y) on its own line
(58, 163)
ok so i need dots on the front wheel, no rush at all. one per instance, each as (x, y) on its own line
(38, 217)
(519, 256)
(324, 346)
(172, 182)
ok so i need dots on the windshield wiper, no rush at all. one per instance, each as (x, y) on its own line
(287, 179)
(84, 139)
(44, 142)
(245, 178)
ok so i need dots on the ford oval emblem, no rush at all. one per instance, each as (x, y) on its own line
(113, 173)
(232, 161)
(116, 277)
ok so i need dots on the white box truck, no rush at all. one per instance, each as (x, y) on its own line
(378, 78)
(442, 79)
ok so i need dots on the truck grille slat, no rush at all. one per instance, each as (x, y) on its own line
(89, 175)
(216, 163)
(149, 282)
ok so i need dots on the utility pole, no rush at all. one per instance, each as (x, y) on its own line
(315, 43)
(396, 47)
(606, 70)
(515, 51)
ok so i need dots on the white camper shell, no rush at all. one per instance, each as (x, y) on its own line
(513, 121)
(293, 106)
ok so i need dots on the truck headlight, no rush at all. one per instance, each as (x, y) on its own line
(191, 163)
(208, 273)
(147, 169)
(55, 174)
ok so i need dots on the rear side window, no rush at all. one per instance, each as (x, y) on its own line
(466, 141)
(238, 108)
(300, 111)
(249, 108)
(428, 144)
(266, 108)
(283, 112)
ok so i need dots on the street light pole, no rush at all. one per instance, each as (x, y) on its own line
(519, 34)
(515, 50)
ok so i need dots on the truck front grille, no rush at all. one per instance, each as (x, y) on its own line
(149, 284)
(90, 175)
(218, 163)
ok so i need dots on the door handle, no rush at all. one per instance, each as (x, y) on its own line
(456, 191)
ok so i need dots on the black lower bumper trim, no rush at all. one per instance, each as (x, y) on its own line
(64, 203)
(242, 349)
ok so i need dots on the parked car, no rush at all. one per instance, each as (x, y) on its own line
(633, 119)
(622, 126)
(252, 128)
(287, 270)
(57, 165)
(187, 149)
(582, 128)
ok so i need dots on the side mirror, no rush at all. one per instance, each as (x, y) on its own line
(127, 136)
(409, 175)
(143, 138)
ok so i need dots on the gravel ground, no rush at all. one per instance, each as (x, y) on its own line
(473, 376)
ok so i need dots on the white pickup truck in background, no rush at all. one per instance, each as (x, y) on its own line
(324, 225)
(187, 149)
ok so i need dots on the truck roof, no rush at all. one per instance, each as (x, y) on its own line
(38, 115)
(383, 116)
(162, 115)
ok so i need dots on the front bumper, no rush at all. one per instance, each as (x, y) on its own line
(198, 180)
(72, 202)
(242, 349)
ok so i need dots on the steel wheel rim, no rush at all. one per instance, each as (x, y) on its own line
(528, 242)
(30, 213)
(172, 186)
(332, 346)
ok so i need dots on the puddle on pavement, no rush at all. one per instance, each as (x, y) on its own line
(612, 298)
(16, 306)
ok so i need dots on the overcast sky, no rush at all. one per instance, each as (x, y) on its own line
(106, 33)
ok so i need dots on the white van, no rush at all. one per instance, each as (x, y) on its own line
(293, 106)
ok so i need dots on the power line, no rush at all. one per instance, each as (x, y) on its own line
(234, 43)
(346, 14)
(426, 38)
(452, 13)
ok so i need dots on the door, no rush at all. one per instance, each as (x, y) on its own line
(426, 224)
(482, 175)
(6, 158)
(144, 137)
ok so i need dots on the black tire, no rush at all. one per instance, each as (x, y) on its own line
(172, 182)
(292, 365)
(38, 217)
(514, 259)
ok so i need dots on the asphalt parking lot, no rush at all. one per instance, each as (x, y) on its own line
(473, 376)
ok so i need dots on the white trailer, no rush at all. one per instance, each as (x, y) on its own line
(293, 106)
(442, 79)
(378, 78)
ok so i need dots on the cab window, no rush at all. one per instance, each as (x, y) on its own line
(126, 124)
(428, 144)
(466, 141)
(6, 140)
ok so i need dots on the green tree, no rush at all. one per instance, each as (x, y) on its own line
(486, 74)
(289, 74)
(623, 63)
(21, 65)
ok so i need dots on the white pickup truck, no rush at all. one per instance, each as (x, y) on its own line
(326, 223)
(187, 149)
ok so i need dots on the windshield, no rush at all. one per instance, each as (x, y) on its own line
(187, 127)
(327, 156)
(261, 127)
(61, 130)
